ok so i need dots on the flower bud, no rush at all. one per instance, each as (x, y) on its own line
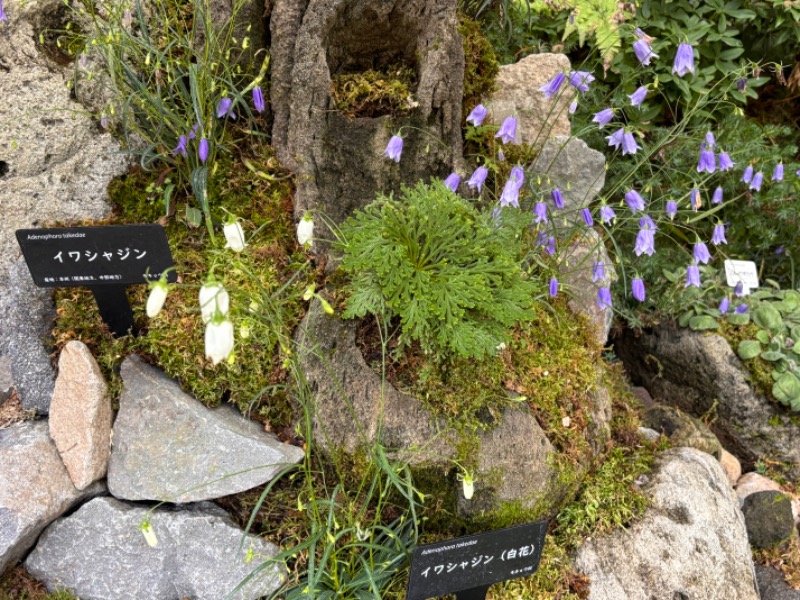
(214, 300)
(305, 231)
(234, 236)
(219, 340)
(158, 294)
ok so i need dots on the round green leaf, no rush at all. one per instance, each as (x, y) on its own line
(702, 322)
(787, 389)
(772, 356)
(683, 320)
(767, 316)
(737, 319)
(748, 349)
(762, 336)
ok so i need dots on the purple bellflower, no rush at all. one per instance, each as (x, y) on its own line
(695, 201)
(558, 198)
(394, 148)
(510, 195)
(643, 51)
(587, 217)
(477, 115)
(553, 287)
(550, 247)
(747, 176)
(647, 222)
(580, 80)
(573, 106)
(3, 15)
(603, 117)
(725, 162)
(777, 174)
(692, 276)
(598, 271)
(741, 84)
(738, 290)
(607, 214)
(478, 177)
(741, 309)
(718, 237)
(604, 298)
(638, 96)
(717, 197)
(629, 145)
(672, 209)
(540, 210)
(452, 181)
(684, 60)
(193, 132)
(634, 200)
(615, 139)
(637, 288)
(508, 130)
(758, 178)
(724, 305)
(711, 141)
(258, 99)
(707, 161)
(181, 147)
(645, 242)
(551, 88)
(224, 109)
(701, 254)
(202, 150)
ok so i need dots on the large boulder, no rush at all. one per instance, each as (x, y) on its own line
(35, 488)
(338, 159)
(80, 415)
(6, 379)
(699, 372)
(690, 543)
(169, 447)
(99, 553)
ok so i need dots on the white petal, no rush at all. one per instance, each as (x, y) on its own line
(219, 341)
(155, 301)
(305, 232)
(213, 298)
(234, 236)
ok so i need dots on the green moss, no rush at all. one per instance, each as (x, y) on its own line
(373, 93)
(760, 371)
(480, 64)
(17, 584)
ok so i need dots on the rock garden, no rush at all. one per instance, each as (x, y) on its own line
(291, 292)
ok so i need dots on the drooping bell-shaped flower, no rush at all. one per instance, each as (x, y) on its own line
(157, 297)
(741, 309)
(478, 177)
(234, 236)
(580, 80)
(508, 130)
(510, 194)
(452, 181)
(603, 117)
(741, 84)
(645, 242)
(468, 485)
(181, 147)
(684, 60)
(747, 176)
(724, 305)
(553, 287)
(214, 300)
(3, 15)
(193, 132)
(202, 150)
(615, 139)
(701, 254)
(258, 99)
(638, 96)
(587, 217)
(643, 51)
(394, 148)
(558, 198)
(598, 271)
(551, 88)
(692, 276)
(629, 145)
(637, 288)
(695, 201)
(634, 200)
(738, 290)
(711, 141)
(758, 178)
(477, 115)
(604, 298)
(707, 162)
(717, 197)
(671, 209)
(540, 211)
(718, 237)
(305, 231)
(550, 247)
(777, 174)
(607, 214)
(725, 162)
(573, 106)
(224, 108)
(219, 340)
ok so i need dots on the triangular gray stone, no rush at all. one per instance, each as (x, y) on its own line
(167, 446)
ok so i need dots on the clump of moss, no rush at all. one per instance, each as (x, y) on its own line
(17, 584)
(760, 371)
(373, 93)
(480, 64)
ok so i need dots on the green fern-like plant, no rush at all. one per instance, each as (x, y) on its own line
(451, 273)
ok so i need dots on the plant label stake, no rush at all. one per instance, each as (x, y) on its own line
(105, 259)
(744, 272)
(467, 566)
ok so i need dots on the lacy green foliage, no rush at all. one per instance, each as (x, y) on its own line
(449, 272)
(374, 93)
(480, 64)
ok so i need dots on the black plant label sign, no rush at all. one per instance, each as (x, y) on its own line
(93, 256)
(471, 564)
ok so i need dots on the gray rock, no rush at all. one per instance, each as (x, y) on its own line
(6, 379)
(27, 324)
(651, 435)
(576, 269)
(769, 518)
(80, 415)
(690, 543)
(35, 488)
(99, 553)
(167, 446)
(682, 429)
(698, 372)
(773, 586)
(518, 95)
(339, 161)
(577, 170)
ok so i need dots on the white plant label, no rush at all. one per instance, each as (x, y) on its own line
(742, 271)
